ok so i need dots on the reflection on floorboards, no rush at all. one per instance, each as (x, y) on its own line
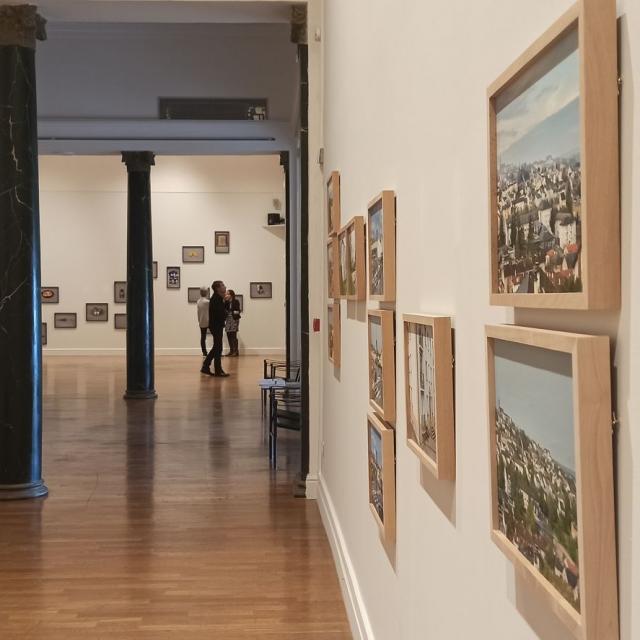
(164, 520)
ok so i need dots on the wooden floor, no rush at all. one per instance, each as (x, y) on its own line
(163, 519)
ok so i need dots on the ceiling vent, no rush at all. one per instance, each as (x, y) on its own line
(212, 108)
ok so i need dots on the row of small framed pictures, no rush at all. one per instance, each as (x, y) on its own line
(346, 247)
(70, 321)
(551, 450)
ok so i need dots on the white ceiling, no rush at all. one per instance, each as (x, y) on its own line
(171, 11)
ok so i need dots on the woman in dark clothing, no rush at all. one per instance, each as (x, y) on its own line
(232, 322)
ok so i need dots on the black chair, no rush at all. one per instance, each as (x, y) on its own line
(281, 369)
(285, 413)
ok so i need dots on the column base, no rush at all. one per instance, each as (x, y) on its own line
(140, 395)
(23, 491)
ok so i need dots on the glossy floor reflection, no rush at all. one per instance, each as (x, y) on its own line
(164, 520)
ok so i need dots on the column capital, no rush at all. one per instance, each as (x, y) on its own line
(21, 25)
(137, 161)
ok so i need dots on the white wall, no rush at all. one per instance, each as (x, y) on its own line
(405, 109)
(83, 204)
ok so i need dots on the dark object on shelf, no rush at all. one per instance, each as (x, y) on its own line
(274, 219)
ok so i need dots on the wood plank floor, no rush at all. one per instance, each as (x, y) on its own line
(163, 519)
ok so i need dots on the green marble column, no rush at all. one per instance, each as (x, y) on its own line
(20, 314)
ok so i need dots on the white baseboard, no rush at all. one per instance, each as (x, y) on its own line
(256, 351)
(311, 484)
(356, 611)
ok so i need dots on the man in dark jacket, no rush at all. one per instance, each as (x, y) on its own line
(217, 316)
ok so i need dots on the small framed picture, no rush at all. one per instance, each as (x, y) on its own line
(193, 295)
(173, 277)
(65, 320)
(381, 245)
(120, 321)
(552, 470)
(333, 203)
(382, 476)
(382, 365)
(428, 369)
(97, 312)
(222, 242)
(333, 333)
(155, 269)
(50, 295)
(554, 169)
(261, 290)
(120, 292)
(333, 275)
(43, 334)
(240, 299)
(352, 261)
(192, 254)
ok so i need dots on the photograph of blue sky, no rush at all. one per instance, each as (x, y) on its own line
(535, 387)
(544, 120)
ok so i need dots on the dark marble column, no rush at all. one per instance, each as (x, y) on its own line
(20, 314)
(140, 373)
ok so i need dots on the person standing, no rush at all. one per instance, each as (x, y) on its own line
(232, 322)
(203, 318)
(217, 317)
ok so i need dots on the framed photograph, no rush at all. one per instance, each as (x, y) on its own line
(240, 299)
(50, 295)
(428, 369)
(552, 165)
(333, 332)
(97, 312)
(333, 275)
(193, 295)
(222, 242)
(343, 264)
(552, 470)
(333, 203)
(43, 334)
(382, 364)
(192, 254)
(352, 263)
(381, 247)
(120, 292)
(382, 476)
(173, 277)
(261, 290)
(120, 321)
(155, 269)
(65, 320)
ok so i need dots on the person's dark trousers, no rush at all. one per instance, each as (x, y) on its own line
(203, 341)
(232, 337)
(215, 355)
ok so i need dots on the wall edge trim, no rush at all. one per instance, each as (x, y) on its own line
(349, 585)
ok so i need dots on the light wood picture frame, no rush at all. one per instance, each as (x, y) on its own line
(382, 476)
(352, 260)
(552, 470)
(553, 171)
(333, 203)
(429, 392)
(381, 247)
(334, 344)
(382, 363)
(333, 268)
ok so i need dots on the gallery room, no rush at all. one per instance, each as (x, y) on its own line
(317, 319)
